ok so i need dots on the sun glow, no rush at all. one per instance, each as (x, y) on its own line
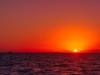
(75, 50)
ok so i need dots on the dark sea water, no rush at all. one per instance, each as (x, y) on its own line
(49, 64)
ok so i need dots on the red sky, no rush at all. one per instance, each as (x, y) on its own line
(53, 25)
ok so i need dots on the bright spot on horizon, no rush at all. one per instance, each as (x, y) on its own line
(75, 50)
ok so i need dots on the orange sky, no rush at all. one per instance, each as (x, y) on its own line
(56, 25)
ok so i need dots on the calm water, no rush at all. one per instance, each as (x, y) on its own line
(49, 64)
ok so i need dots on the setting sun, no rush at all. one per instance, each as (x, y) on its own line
(75, 50)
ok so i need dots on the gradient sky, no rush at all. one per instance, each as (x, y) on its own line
(53, 25)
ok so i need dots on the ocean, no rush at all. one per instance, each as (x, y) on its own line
(49, 64)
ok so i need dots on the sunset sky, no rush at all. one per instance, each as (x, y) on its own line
(49, 25)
